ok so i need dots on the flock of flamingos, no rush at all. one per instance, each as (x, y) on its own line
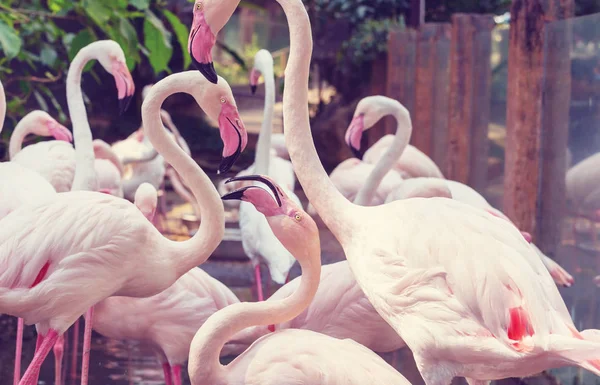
(431, 265)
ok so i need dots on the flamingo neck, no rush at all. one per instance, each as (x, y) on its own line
(2, 106)
(22, 129)
(389, 158)
(185, 255)
(338, 214)
(204, 365)
(263, 147)
(85, 174)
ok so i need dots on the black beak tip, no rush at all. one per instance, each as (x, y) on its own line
(227, 163)
(206, 69)
(234, 195)
(253, 89)
(357, 153)
(124, 104)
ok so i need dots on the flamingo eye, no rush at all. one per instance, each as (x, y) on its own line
(223, 100)
(298, 217)
(199, 6)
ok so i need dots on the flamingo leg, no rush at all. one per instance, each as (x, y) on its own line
(167, 372)
(259, 290)
(287, 277)
(33, 371)
(394, 358)
(38, 343)
(176, 374)
(18, 352)
(74, 349)
(58, 349)
(87, 344)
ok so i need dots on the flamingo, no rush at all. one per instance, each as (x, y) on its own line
(108, 168)
(583, 189)
(413, 162)
(429, 267)
(258, 241)
(55, 160)
(289, 356)
(59, 258)
(22, 186)
(432, 187)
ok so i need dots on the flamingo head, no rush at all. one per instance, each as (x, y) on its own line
(43, 124)
(368, 112)
(263, 63)
(290, 224)
(233, 133)
(112, 58)
(209, 18)
(146, 200)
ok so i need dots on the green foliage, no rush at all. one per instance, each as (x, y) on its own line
(441, 10)
(38, 39)
(234, 71)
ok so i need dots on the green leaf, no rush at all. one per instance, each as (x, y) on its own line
(158, 41)
(83, 38)
(48, 55)
(140, 4)
(181, 32)
(97, 11)
(9, 41)
(60, 6)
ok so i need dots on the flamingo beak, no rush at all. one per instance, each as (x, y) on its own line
(124, 83)
(105, 191)
(254, 76)
(200, 43)
(59, 132)
(354, 135)
(238, 194)
(267, 204)
(233, 134)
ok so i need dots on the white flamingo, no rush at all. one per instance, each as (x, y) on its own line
(461, 286)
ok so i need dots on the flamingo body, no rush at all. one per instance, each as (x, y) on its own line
(20, 186)
(583, 187)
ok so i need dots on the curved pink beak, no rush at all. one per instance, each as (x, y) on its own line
(254, 76)
(233, 134)
(354, 134)
(105, 191)
(124, 83)
(59, 132)
(200, 43)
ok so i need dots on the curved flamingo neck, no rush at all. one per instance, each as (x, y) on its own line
(390, 157)
(204, 365)
(195, 251)
(338, 214)
(263, 147)
(2, 106)
(85, 175)
(22, 129)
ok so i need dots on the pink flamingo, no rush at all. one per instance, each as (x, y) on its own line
(430, 267)
(50, 251)
(292, 355)
(108, 168)
(413, 162)
(55, 160)
(431, 187)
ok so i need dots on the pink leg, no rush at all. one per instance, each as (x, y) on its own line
(18, 352)
(177, 375)
(287, 277)
(167, 372)
(394, 358)
(33, 371)
(74, 349)
(259, 290)
(87, 345)
(59, 348)
(38, 342)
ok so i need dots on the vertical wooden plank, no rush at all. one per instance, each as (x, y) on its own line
(378, 87)
(401, 64)
(247, 21)
(482, 93)
(441, 80)
(460, 98)
(524, 108)
(556, 100)
(425, 66)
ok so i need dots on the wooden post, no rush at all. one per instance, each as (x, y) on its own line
(525, 88)
(556, 91)
(482, 95)
(402, 55)
(378, 87)
(430, 115)
(469, 98)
